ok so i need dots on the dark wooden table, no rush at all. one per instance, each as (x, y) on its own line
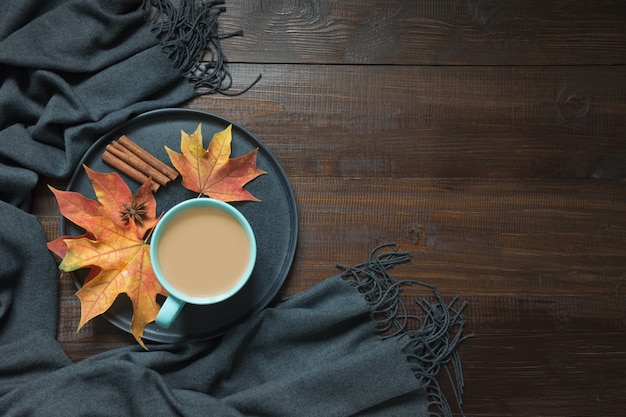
(487, 138)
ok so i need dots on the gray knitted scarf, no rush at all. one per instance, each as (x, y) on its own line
(70, 70)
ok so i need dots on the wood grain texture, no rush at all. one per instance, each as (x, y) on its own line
(428, 32)
(546, 374)
(498, 122)
(486, 138)
(491, 237)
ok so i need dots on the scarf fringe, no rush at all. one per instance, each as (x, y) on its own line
(431, 342)
(188, 32)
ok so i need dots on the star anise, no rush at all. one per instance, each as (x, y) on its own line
(134, 211)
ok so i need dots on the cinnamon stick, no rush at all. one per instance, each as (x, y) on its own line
(134, 161)
(128, 170)
(147, 157)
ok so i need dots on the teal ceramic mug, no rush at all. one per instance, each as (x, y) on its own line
(203, 252)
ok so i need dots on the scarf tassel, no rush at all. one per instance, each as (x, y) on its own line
(430, 340)
(189, 35)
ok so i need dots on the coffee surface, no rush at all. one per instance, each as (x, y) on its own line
(203, 252)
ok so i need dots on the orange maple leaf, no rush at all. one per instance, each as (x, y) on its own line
(212, 172)
(114, 248)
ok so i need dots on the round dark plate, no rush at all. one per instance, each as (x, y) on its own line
(274, 219)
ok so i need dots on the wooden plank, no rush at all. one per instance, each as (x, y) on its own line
(548, 374)
(504, 237)
(427, 32)
(490, 122)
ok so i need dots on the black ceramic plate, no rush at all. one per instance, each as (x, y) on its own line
(274, 219)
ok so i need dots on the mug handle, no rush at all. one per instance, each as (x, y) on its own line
(169, 311)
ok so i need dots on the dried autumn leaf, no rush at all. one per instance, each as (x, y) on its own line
(212, 172)
(113, 247)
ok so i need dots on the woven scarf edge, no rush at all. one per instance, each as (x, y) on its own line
(430, 340)
(189, 35)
